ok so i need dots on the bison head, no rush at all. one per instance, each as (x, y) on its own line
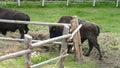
(55, 31)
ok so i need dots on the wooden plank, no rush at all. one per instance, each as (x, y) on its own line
(34, 23)
(117, 3)
(16, 54)
(28, 42)
(43, 3)
(22, 40)
(94, 3)
(76, 40)
(50, 40)
(48, 61)
(18, 2)
(63, 47)
(67, 2)
(75, 31)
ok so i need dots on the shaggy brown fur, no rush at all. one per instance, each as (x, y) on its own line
(88, 31)
(13, 15)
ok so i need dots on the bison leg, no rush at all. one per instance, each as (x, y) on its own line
(98, 48)
(22, 33)
(26, 29)
(69, 48)
(90, 47)
(93, 42)
(4, 32)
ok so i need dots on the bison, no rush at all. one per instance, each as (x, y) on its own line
(88, 31)
(10, 14)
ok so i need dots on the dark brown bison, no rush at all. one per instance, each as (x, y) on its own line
(13, 15)
(88, 31)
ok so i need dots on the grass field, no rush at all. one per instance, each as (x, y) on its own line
(106, 18)
(104, 14)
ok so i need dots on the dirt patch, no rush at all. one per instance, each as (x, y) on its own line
(7, 47)
(110, 45)
(37, 35)
(110, 58)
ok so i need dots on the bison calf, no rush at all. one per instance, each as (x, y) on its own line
(13, 15)
(88, 31)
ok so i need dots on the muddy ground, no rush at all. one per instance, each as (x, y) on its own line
(109, 43)
(110, 47)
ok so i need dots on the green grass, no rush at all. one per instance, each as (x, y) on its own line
(106, 18)
(69, 63)
(13, 63)
(104, 14)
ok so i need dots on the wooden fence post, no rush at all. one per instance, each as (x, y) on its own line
(18, 2)
(28, 41)
(76, 40)
(63, 47)
(117, 3)
(43, 3)
(94, 3)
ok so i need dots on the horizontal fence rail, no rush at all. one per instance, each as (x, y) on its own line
(22, 40)
(48, 61)
(16, 54)
(75, 31)
(51, 40)
(31, 22)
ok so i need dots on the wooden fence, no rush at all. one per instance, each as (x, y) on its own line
(29, 46)
(67, 2)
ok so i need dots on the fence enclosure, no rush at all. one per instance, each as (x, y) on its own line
(29, 46)
(67, 1)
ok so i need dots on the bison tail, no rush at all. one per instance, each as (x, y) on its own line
(28, 18)
(26, 27)
(98, 31)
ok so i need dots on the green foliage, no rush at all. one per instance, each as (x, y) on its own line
(37, 58)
